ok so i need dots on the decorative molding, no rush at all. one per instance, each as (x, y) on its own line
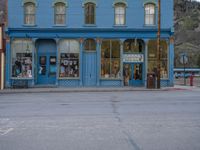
(60, 1)
(120, 1)
(89, 1)
(150, 1)
(29, 1)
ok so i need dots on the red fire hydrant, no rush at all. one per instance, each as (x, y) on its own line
(191, 79)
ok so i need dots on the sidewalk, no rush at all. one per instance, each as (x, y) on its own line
(92, 89)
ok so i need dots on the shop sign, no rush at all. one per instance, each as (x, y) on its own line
(129, 58)
(1, 38)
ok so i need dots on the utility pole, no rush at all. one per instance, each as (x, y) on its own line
(158, 47)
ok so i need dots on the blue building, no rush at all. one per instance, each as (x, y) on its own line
(87, 42)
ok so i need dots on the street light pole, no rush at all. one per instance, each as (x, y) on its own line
(158, 46)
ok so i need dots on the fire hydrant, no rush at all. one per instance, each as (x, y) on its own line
(191, 79)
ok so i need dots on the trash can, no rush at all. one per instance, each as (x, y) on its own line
(151, 79)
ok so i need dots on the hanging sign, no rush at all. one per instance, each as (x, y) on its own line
(130, 58)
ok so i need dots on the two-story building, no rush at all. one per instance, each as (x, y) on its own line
(88, 42)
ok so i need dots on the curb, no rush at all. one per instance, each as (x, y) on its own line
(79, 90)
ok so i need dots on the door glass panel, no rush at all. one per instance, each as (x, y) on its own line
(127, 74)
(42, 68)
(138, 72)
(52, 65)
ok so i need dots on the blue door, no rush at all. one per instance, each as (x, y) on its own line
(46, 63)
(133, 74)
(89, 69)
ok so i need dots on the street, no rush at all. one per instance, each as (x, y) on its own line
(137, 120)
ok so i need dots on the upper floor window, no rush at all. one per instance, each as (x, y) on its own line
(90, 13)
(29, 13)
(60, 13)
(150, 14)
(120, 14)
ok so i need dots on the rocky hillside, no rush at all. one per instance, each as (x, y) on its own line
(2, 11)
(187, 31)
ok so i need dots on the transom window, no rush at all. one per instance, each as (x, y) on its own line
(90, 13)
(60, 13)
(29, 13)
(149, 14)
(120, 13)
(90, 45)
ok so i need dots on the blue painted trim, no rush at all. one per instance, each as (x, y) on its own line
(81, 63)
(8, 63)
(171, 64)
(120, 1)
(58, 61)
(29, 1)
(98, 62)
(33, 62)
(60, 1)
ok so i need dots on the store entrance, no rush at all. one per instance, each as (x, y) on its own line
(89, 69)
(46, 63)
(133, 74)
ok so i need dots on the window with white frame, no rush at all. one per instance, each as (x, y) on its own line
(120, 14)
(59, 13)
(29, 13)
(150, 14)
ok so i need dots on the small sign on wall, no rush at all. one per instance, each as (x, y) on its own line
(131, 58)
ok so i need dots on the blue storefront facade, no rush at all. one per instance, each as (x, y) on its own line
(87, 43)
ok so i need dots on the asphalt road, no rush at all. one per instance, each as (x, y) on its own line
(146, 120)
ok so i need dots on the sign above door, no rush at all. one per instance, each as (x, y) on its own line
(133, 58)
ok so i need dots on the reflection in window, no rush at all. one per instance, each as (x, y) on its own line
(22, 58)
(29, 13)
(90, 13)
(149, 14)
(90, 45)
(60, 13)
(69, 58)
(110, 59)
(133, 46)
(152, 58)
(120, 13)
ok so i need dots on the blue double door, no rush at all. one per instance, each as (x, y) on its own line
(133, 74)
(46, 63)
(89, 69)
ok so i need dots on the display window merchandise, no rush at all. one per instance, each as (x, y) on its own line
(22, 58)
(69, 58)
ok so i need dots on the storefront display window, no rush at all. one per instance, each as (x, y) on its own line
(69, 58)
(152, 58)
(22, 58)
(110, 59)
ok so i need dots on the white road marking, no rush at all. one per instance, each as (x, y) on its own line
(5, 131)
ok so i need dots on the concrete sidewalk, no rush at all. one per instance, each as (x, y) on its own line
(91, 89)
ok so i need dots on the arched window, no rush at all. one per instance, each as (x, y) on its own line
(150, 14)
(29, 13)
(133, 46)
(90, 45)
(90, 13)
(59, 13)
(120, 14)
